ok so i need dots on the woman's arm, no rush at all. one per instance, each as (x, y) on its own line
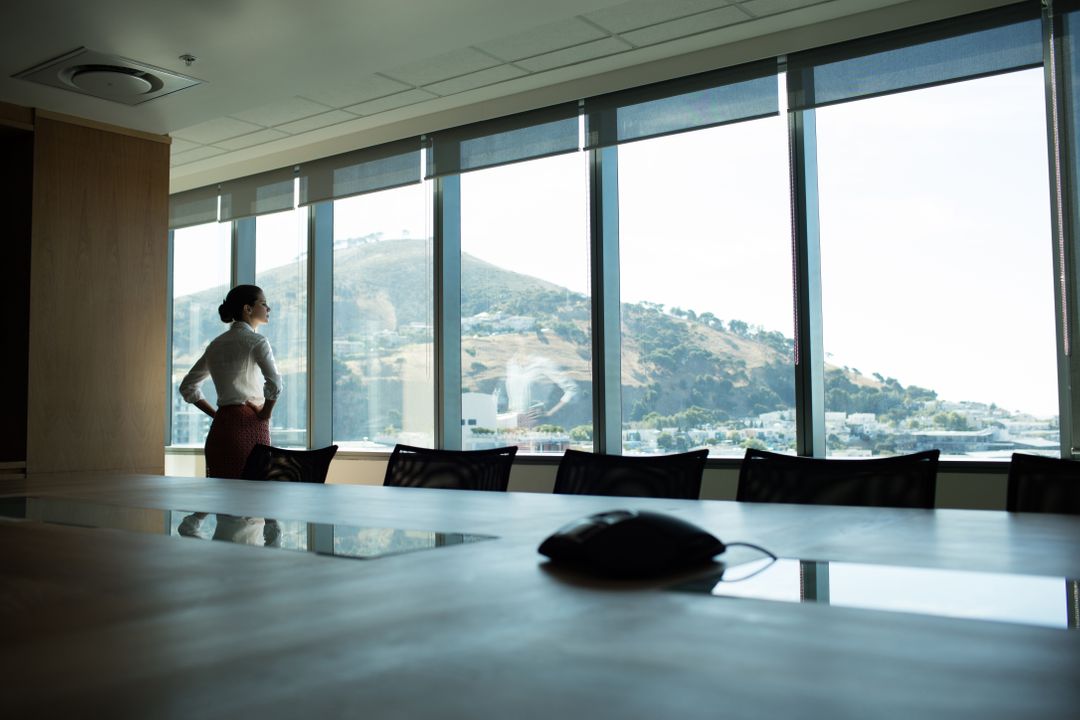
(264, 356)
(205, 406)
(189, 386)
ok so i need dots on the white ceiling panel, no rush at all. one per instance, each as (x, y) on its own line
(250, 140)
(391, 102)
(178, 146)
(499, 73)
(212, 131)
(760, 8)
(639, 13)
(683, 27)
(317, 121)
(280, 112)
(574, 55)
(443, 67)
(355, 90)
(200, 153)
(545, 39)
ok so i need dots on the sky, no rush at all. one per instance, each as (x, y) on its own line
(935, 233)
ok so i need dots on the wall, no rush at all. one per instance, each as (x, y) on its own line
(97, 298)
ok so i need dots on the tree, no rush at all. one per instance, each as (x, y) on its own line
(581, 433)
(665, 441)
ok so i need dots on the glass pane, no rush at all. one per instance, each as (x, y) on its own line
(936, 271)
(705, 257)
(384, 375)
(525, 307)
(201, 268)
(281, 271)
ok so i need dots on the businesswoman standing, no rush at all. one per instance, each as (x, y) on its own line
(241, 365)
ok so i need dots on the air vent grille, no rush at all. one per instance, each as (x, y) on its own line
(107, 77)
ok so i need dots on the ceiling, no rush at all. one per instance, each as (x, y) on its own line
(281, 76)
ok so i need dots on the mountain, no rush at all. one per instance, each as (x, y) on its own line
(678, 367)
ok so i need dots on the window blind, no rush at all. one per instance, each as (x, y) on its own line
(745, 92)
(525, 136)
(193, 207)
(964, 48)
(361, 171)
(258, 194)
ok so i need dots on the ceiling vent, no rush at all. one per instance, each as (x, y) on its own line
(107, 77)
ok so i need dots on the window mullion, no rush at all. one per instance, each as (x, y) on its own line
(243, 251)
(320, 324)
(447, 279)
(169, 339)
(806, 238)
(606, 329)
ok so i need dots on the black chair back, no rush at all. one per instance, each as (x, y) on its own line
(662, 476)
(1042, 484)
(905, 481)
(272, 463)
(451, 469)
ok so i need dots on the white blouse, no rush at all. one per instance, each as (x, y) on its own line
(241, 365)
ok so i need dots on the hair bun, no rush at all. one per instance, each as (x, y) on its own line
(223, 313)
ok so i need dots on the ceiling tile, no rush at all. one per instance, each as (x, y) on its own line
(442, 67)
(178, 146)
(574, 55)
(686, 26)
(193, 155)
(761, 8)
(544, 39)
(356, 90)
(214, 130)
(281, 111)
(639, 13)
(410, 97)
(475, 80)
(317, 121)
(255, 138)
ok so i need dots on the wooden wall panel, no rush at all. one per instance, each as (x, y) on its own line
(97, 300)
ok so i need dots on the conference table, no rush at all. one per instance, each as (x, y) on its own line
(141, 622)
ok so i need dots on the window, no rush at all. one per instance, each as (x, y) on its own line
(384, 377)
(526, 363)
(918, 177)
(281, 271)
(937, 294)
(201, 266)
(705, 278)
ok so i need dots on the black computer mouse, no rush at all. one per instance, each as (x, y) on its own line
(631, 543)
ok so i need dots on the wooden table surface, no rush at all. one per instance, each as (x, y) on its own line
(109, 623)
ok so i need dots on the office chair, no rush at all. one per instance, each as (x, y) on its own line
(660, 476)
(452, 469)
(273, 463)
(1043, 484)
(905, 481)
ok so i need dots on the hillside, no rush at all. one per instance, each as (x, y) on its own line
(671, 360)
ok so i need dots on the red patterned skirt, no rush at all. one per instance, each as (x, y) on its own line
(235, 431)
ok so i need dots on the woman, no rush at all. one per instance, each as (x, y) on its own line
(242, 367)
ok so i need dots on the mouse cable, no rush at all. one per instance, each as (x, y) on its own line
(750, 545)
(763, 568)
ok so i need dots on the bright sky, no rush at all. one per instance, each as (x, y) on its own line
(936, 247)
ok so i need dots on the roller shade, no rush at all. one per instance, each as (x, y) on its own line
(745, 92)
(193, 207)
(964, 48)
(525, 136)
(361, 171)
(258, 194)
